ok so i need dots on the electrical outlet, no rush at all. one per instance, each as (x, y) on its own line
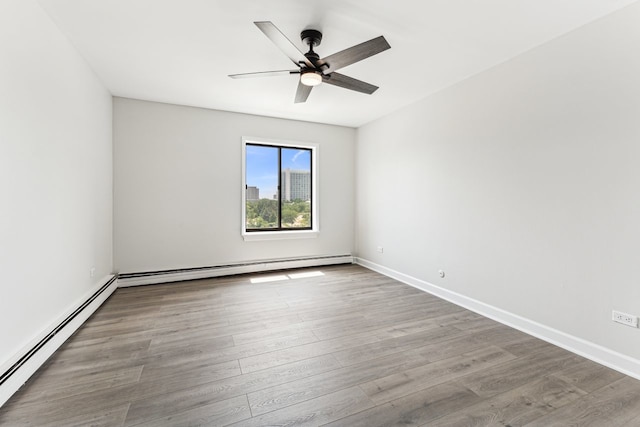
(625, 319)
(92, 271)
(380, 249)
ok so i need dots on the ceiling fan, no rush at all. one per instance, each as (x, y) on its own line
(314, 70)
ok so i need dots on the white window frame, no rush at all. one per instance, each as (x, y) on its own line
(281, 234)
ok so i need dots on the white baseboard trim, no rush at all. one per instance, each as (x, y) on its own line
(168, 276)
(15, 372)
(597, 353)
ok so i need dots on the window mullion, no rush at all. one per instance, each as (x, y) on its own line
(311, 171)
(279, 188)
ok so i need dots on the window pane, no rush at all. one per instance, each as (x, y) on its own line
(295, 185)
(262, 187)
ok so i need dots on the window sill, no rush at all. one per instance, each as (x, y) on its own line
(279, 235)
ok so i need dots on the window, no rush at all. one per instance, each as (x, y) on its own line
(278, 189)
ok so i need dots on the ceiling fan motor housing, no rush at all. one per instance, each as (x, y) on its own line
(311, 38)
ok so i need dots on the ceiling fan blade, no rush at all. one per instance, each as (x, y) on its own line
(353, 54)
(347, 82)
(264, 74)
(283, 43)
(302, 93)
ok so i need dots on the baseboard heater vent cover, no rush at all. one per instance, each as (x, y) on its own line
(175, 275)
(33, 350)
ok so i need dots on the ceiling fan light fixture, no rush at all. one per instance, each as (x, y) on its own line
(311, 78)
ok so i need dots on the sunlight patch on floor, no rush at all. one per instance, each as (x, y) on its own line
(306, 274)
(281, 277)
(266, 279)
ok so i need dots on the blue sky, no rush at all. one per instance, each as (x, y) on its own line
(262, 166)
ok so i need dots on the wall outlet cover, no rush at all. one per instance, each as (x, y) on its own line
(625, 319)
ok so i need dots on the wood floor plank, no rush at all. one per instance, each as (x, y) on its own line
(315, 412)
(220, 413)
(457, 318)
(464, 342)
(635, 421)
(189, 338)
(588, 376)
(518, 406)
(506, 376)
(70, 386)
(379, 320)
(187, 397)
(391, 387)
(113, 349)
(58, 411)
(301, 352)
(156, 381)
(107, 417)
(185, 319)
(527, 345)
(335, 308)
(346, 347)
(411, 327)
(271, 333)
(182, 336)
(616, 404)
(277, 397)
(381, 348)
(257, 348)
(415, 409)
(197, 350)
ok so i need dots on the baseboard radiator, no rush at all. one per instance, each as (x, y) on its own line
(176, 275)
(37, 353)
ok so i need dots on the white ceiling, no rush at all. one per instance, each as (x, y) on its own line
(181, 51)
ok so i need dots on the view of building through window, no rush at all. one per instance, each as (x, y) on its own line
(278, 187)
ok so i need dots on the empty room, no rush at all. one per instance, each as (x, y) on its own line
(346, 213)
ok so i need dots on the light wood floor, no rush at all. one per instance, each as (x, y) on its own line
(349, 348)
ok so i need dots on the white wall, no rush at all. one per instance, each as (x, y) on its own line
(55, 176)
(178, 182)
(521, 183)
